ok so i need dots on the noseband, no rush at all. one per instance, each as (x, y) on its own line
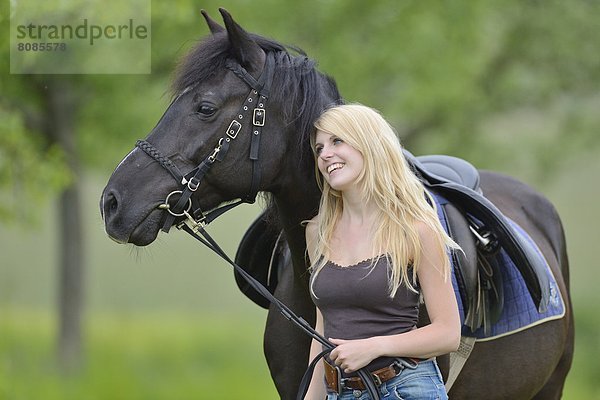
(254, 109)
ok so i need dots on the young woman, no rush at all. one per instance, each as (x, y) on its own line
(376, 247)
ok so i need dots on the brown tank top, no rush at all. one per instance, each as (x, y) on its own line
(356, 304)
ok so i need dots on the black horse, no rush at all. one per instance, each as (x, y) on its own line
(240, 123)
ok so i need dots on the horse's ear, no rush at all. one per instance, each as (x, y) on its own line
(212, 24)
(245, 50)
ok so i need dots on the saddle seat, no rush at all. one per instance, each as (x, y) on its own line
(453, 169)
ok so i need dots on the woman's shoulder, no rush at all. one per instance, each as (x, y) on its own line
(311, 227)
(312, 223)
(426, 232)
(311, 231)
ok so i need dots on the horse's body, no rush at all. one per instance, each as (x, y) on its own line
(529, 364)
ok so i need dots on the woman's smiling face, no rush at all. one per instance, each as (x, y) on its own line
(339, 163)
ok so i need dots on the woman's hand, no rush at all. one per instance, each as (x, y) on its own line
(352, 355)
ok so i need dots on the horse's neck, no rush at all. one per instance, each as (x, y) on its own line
(298, 197)
(297, 203)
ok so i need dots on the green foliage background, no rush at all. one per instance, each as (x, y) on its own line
(511, 85)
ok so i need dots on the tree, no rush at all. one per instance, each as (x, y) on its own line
(53, 125)
(44, 134)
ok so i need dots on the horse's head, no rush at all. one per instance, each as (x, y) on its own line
(239, 99)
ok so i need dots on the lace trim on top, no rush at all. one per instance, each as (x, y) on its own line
(362, 262)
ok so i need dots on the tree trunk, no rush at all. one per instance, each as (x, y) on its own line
(71, 269)
(61, 105)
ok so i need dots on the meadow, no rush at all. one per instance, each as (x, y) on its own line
(168, 322)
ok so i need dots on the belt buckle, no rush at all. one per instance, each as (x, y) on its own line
(398, 367)
(341, 382)
(376, 379)
(401, 364)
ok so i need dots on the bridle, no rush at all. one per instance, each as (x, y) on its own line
(253, 109)
(195, 219)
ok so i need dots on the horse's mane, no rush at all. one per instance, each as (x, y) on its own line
(298, 86)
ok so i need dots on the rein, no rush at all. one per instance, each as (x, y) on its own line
(195, 219)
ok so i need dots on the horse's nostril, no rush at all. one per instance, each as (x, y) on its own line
(111, 204)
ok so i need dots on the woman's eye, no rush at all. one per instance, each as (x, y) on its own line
(318, 150)
(206, 110)
(337, 140)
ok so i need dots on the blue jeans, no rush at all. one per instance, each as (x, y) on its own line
(422, 383)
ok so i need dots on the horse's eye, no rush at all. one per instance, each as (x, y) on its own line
(206, 110)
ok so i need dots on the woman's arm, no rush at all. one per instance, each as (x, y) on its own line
(440, 337)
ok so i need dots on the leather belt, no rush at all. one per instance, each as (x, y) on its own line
(336, 383)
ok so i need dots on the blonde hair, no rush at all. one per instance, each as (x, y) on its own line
(386, 180)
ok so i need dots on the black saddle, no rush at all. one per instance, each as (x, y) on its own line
(489, 226)
(264, 253)
(473, 222)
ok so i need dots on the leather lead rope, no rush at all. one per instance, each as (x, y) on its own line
(300, 322)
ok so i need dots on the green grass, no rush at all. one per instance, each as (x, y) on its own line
(145, 357)
(168, 356)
